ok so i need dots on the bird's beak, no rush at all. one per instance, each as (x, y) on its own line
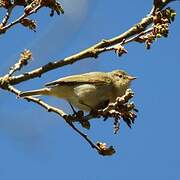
(131, 78)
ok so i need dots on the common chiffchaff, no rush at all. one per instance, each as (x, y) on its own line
(87, 91)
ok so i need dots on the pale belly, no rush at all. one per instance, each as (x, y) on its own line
(85, 97)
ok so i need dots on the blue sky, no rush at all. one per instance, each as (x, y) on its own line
(38, 145)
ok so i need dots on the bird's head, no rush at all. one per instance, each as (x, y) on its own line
(122, 78)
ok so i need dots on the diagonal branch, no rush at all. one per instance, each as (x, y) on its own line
(92, 51)
(105, 45)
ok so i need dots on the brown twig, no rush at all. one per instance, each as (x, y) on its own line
(137, 36)
(7, 16)
(18, 20)
(39, 102)
(25, 56)
(29, 9)
(159, 5)
(120, 46)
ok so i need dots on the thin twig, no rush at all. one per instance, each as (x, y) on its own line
(134, 38)
(25, 56)
(39, 102)
(7, 16)
(84, 136)
(138, 36)
(18, 20)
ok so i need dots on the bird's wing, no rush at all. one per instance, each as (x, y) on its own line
(98, 78)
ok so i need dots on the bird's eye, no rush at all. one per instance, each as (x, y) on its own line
(120, 75)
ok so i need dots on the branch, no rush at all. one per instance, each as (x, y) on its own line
(137, 33)
(29, 9)
(25, 56)
(92, 51)
(160, 4)
(7, 16)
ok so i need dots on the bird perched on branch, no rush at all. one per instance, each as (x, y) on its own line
(89, 91)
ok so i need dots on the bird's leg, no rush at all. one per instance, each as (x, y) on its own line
(84, 123)
(74, 112)
(101, 105)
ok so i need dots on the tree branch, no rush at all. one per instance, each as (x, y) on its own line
(92, 51)
(31, 7)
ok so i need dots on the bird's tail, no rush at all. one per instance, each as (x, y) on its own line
(38, 92)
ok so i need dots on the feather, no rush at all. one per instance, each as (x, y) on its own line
(98, 78)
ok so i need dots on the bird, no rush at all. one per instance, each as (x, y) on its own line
(88, 91)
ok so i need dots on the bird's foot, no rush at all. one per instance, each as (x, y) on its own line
(79, 115)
